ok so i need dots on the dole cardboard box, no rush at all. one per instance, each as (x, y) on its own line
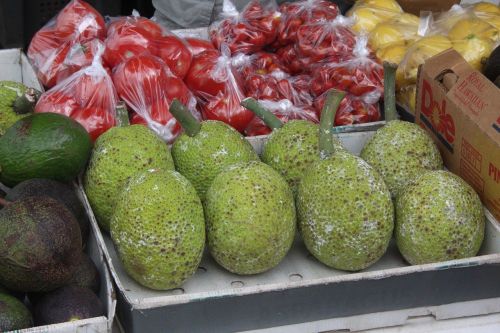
(460, 108)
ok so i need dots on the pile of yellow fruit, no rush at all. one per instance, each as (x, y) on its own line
(408, 40)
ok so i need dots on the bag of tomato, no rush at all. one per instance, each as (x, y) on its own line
(249, 31)
(66, 43)
(362, 76)
(296, 14)
(88, 96)
(352, 110)
(285, 110)
(148, 87)
(217, 86)
(131, 36)
(329, 41)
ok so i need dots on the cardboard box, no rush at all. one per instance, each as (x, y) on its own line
(460, 108)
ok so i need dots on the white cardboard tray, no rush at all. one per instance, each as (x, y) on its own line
(300, 291)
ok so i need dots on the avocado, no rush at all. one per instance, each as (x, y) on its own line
(119, 154)
(158, 229)
(399, 150)
(86, 275)
(345, 212)
(16, 102)
(492, 67)
(55, 190)
(206, 148)
(68, 303)
(292, 147)
(439, 217)
(250, 216)
(43, 145)
(41, 245)
(14, 315)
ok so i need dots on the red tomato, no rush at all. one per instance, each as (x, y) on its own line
(197, 46)
(93, 90)
(285, 112)
(226, 107)
(96, 120)
(140, 80)
(200, 77)
(173, 87)
(352, 110)
(80, 55)
(142, 25)
(57, 102)
(126, 42)
(174, 53)
(81, 18)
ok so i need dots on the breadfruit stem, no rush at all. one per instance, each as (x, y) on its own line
(189, 123)
(122, 115)
(390, 91)
(333, 99)
(27, 101)
(267, 116)
(4, 202)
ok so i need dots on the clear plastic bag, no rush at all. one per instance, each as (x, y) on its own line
(392, 32)
(368, 13)
(329, 41)
(258, 63)
(217, 86)
(352, 110)
(249, 31)
(88, 96)
(134, 35)
(148, 87)
(73, 29)
(285, 110)
(292, 61)
(295, 14)
(361, 76)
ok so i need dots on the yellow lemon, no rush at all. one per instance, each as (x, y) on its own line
(418, 53)
(366, 19)
(492, 19)
(393, 53)
(486, 7)
(406, 18)
(391, 5)
(473, 27)
(407, 97)
(474, 50)
(385, 34)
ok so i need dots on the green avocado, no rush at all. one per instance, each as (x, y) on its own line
(41, 245)
(43, 145)
(13, 314)
(64, 193)
(68, 303)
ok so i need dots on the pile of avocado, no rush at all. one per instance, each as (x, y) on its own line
(45, 276)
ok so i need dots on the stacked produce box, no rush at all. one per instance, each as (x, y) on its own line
(188, 209)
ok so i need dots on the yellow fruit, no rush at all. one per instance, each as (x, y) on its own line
(366, 19)
(466, 28)
(486, 7)
(408, 97)
(418, 53)
(386, 4)
(407, 18)
(473, 50)
(392, 53)
(448, 19)
(385, 34)
(492, 19)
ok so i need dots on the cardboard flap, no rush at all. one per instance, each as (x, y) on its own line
(449, 61)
